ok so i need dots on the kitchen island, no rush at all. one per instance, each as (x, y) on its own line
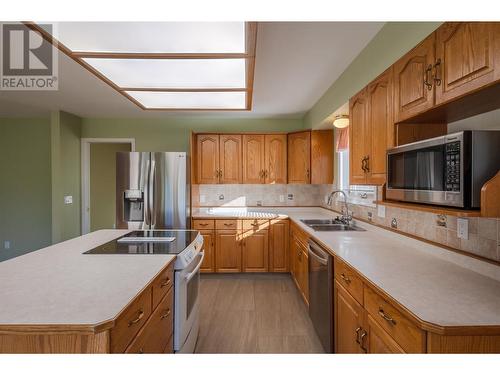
(59, 300)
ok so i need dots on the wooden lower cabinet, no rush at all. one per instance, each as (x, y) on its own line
(348, 322)
(228, 251)
(379, 341)
(208, 264)
(299, 262)
(278, 246)
(255, 251)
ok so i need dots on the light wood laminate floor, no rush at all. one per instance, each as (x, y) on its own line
(254, 313)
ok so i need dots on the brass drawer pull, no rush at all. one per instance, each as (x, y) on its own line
(228, 224)
(362, 340)
(345, 278)
(426, 77)
(386, 317)
(166, 315)
(136, 320)
(165, 282)
(202, 224)
(357, 335)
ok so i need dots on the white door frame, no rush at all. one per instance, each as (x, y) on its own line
(85, 146)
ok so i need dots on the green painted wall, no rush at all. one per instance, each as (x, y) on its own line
(70, 174)
(172, 134)
(25, 185)
(390, 43)
(103, 184)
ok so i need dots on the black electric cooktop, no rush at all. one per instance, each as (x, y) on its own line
(148, 242)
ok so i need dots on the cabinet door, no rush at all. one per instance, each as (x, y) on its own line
(348, 322)
(207, 165)
(253, 159)
(208, 264)
(278, 246)
(358, 141)
(467, 58)
(380, 129)
(322, 156)
(299, 158)
(275, 159)
(379, 341)
(412, 95)
(255, 251)
(228, 251)
(230, 158)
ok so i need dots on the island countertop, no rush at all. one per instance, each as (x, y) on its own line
(59, 285)
(438, 286)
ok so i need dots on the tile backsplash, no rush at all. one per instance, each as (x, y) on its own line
(484, 234)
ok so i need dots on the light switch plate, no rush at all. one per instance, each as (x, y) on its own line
(6, 244)
(282, 198)
(68, 199)
(463, 228)
(380, 211)
(202, 199)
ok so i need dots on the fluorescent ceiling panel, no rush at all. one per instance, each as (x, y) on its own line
(166, 73)
(153, 37)
(190, 100)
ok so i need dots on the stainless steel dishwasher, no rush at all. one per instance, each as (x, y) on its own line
(321, 294)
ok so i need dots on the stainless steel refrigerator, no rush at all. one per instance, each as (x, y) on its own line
(152, 190)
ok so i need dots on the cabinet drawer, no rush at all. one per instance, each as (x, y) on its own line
(349, 279)
(255, 224)
(162, 284)
(203, 224)
(157, 331)
(228, 224)
(130, 322)
(407, 335)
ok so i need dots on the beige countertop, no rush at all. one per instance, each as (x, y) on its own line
(438, 286)
(59, 285)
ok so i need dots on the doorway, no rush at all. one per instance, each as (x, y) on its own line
(99, 181)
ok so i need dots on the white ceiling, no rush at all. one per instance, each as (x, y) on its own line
(296, 62)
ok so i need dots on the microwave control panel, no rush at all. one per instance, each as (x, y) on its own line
(452, 176)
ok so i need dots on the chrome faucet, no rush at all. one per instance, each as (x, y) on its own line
(345, 217)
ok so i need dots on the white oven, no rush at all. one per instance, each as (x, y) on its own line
(186, 299)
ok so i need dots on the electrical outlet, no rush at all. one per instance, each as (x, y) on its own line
(202, 199)
(282, 198)
(394, 223)
(370, 216)
(221, 197)
(290, 197)
(463, 228)
(68, 199)
(6, 244)
(380, 211)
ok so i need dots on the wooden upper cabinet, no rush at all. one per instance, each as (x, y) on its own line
(322, 156)
(275, 159)
(413, 83)
(253, 159)
(467, 58)
(207, 156)
(299, 158)
(230, 165)
(348, 323)
(380, 127)
(358, 138)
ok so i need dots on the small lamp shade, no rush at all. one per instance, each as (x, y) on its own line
(341, 121)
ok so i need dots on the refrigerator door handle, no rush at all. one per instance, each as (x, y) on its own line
(151, 186)
(146, 195)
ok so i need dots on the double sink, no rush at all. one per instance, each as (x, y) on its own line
(330, 225)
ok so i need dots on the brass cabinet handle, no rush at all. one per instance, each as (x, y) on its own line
(166, 314)
(265, 173)
(362, 340)
(202, 224)
(437, 72)
(228, 224)
(165, 282)
(216, 173)
(367, 161)
(345, 278)
(141, 351)
(426, 77)
(136, 320)
(307, 173)
(386, 317)
(254, 224)
(357, 335)
(363, 165)
(220, 172)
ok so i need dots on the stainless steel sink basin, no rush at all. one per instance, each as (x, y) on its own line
(335, 227)
(310, 222)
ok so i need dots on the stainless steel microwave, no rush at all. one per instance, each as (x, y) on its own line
(449, 170)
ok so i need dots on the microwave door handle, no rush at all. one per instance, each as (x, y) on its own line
(190, 275)
(152, 180)
(146, 195)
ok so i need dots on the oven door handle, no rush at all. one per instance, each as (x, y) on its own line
(190, 275)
